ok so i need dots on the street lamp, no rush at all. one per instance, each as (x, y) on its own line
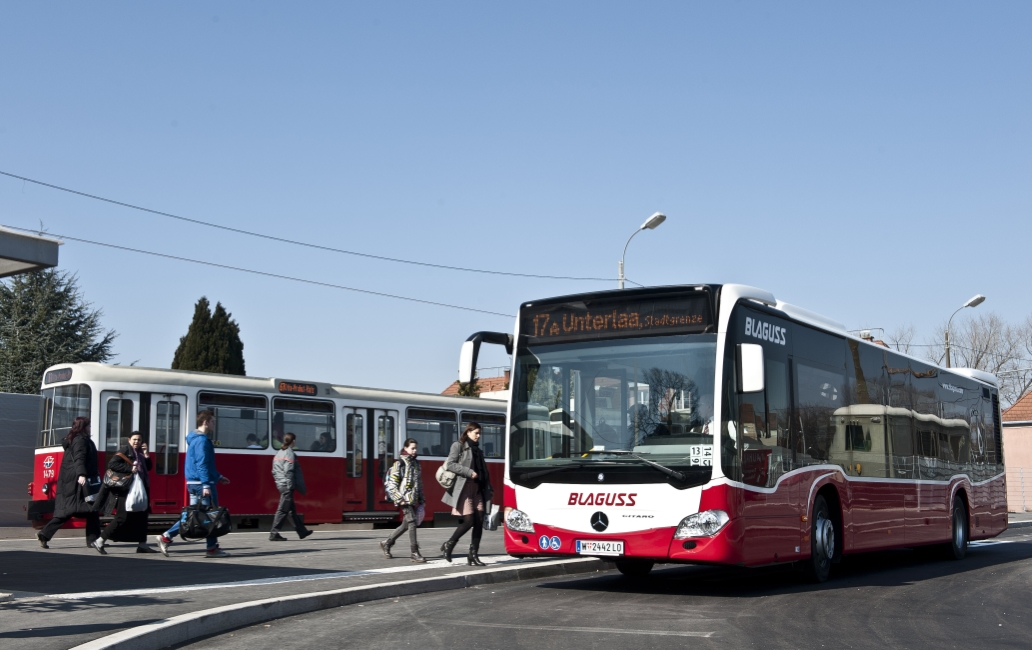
(974, 302)
(651, 224)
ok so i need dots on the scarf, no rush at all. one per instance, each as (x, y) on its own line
(479, 466)
(140, 463)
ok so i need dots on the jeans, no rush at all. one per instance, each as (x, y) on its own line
(286, 508)
(409, 524)
(195, 492)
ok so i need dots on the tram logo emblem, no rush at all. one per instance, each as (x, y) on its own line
(599, 521)
(601, 477)
(48, 462)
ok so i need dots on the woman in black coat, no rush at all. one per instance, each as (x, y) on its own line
(126, 526)
(78, 468)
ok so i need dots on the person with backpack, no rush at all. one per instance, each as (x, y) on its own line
(404, 486)
(78, 471)
(201, 479)
(286, 471)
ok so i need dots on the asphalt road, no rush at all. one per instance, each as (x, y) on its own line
(898, 599)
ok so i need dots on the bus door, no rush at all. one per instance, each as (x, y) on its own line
(119, 417)
(356, 450)
(166, 436)
(385, 430)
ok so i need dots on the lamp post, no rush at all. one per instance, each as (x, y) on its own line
(974, 302)
(651, 224)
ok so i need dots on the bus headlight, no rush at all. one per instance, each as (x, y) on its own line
(704, 524)
(518, 521)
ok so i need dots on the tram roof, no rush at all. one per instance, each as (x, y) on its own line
(100, 372)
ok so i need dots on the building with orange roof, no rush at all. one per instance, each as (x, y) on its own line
(490, 387)
(1017, 453)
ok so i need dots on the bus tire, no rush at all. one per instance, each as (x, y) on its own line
(957, 548)
(823, 537)
(634, 568)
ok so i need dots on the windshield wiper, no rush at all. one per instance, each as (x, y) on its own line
(526, 476)
(672, 473)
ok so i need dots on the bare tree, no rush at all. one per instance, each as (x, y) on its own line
(901, 338)
(988, 343)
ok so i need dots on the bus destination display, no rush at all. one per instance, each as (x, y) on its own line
(611, 319)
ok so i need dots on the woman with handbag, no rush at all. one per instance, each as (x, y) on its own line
(127, 473)
(468, 495)
(78, 471)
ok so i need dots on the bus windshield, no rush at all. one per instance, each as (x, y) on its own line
(652, 397)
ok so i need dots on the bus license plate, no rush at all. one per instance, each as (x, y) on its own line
(599, 547)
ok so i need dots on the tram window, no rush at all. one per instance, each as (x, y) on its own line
(241, 421)
(492, 432)
(60, 406)
(119, 424)
(166, 429)
(311, 422)
(355, 431)
(434, 430)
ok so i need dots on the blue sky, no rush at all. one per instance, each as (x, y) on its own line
(869, 163)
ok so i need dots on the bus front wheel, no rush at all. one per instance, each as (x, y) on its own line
(957, 548)
(822, 541)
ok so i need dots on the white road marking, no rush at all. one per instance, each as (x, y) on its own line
(432, 564)
(589, 630)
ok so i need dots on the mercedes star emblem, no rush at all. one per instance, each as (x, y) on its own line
(601, 477)
(599, 521)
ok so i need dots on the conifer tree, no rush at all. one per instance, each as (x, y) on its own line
(472, 389)
(212, 344)
(45, 320)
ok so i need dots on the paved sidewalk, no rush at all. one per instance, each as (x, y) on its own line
(70, 594)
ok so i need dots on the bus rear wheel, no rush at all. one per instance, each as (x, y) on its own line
(634, 568)
(957, 548)
(822, 541)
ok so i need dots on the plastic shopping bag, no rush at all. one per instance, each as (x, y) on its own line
(420, 514)
(136, 500)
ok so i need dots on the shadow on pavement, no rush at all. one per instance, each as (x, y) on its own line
(71, 630)
(882, 569)
(53, 573)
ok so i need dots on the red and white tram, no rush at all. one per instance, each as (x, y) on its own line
(717, 424)
(347, 437)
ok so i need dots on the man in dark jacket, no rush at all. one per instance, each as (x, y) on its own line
(201, 477)
(286, 472)
(78, 471)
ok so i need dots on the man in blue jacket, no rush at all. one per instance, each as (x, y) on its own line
(201, 479)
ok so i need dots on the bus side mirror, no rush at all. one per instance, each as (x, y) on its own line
(468, 361)
(750, 368)
(471, 350)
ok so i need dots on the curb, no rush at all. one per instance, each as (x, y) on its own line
(207, 622)
(1019, 524)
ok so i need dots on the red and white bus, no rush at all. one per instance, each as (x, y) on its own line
(716, 424)
(347, 437)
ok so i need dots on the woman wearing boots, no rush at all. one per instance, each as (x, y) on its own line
(472, 489)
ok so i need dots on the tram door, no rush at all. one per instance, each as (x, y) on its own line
(356, 451)
(385, 430)
(166, 438)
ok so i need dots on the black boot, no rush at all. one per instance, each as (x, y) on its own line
(473, 559)
(385, 546)
(448, 547)
(416, 557)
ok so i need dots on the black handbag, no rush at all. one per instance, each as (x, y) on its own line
(117, 481)
(200, 522)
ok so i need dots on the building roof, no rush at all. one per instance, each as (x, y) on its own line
(23, 252)
(1019, 411)
(487, 385)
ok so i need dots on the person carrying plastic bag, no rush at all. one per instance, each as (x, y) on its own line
(404, 486)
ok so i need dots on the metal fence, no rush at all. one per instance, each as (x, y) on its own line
(1019, 489)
